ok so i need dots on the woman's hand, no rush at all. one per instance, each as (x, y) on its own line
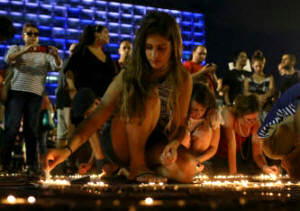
(54, 157)
(270, 170)
(169, 154)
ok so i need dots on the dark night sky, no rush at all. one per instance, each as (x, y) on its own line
(232, 25)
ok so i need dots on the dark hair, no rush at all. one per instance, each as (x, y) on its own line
(7, 29)
(258, 56)
(237, 54)
(202, 95)
(245, 104)
(27, 25)
(194, 49)
(88, 35)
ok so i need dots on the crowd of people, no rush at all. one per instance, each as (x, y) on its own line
(147, 114)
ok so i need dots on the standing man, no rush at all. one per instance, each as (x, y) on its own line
(30, 64)
(287, 76)
(195, 67)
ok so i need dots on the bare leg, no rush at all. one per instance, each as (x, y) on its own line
(138, 134)
(129, 139)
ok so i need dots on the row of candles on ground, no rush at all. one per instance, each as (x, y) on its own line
(244, 181)
(237, 182)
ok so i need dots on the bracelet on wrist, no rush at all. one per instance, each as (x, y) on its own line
(69, 148)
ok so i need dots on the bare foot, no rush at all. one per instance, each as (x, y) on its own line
(109, 169)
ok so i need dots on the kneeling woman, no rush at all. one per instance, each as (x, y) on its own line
(241, 123)
(152, 93)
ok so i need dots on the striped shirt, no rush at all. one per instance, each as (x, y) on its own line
(284, 108)
(30, 70)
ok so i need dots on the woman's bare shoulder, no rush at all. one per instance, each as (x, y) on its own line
(228, 117)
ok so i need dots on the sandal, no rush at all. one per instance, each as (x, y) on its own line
(150, 176)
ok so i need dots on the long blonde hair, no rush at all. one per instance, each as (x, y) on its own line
(136, 79)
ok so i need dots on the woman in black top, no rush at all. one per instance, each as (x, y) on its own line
(89, 65)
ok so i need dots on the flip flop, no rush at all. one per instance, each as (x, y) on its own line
(142, 177)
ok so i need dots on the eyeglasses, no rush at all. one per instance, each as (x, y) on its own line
(36, 34)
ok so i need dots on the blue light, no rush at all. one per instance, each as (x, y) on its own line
(73, 19)
(60, 8)
(114, 4)
(73, 30)
(88, 11)
(101, 2)
(46, 6)
(45, 38)
(88, 1)
(87, 21)
(61, 22)
(126, 15)
(16, 13)
(126, 25)
(198, 34)
(114, 14)
(32, 4)
(17, 2)
(127, 5)
(186, 23)
(44, 16)
(113, 24)
(100, 23)
(44, 27)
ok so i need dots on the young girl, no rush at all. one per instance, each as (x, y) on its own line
(153, 92)
(259, 84)
(204, 124)
(241, 123)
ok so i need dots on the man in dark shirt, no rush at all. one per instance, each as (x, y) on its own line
(233, 81)
(287, 76)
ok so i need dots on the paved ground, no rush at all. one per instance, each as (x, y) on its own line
(219, 193)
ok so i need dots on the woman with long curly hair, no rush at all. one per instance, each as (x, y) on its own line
(150, 96)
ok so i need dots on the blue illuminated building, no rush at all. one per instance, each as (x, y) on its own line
(61, 22)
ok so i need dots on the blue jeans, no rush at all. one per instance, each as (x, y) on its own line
(27, 105)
